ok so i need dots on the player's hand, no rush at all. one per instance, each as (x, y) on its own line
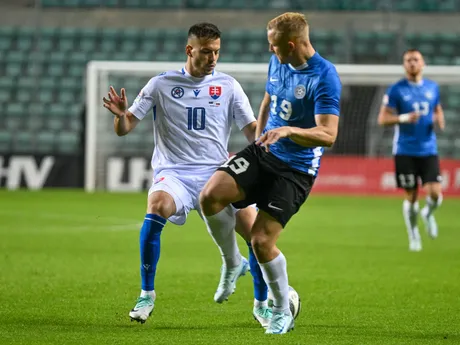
(116, 104)
(272, 136)
(413, 117)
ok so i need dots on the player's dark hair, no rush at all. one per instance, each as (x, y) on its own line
(204, 30)
(411, 50)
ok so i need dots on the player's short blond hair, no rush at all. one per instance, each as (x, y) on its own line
(289, 23)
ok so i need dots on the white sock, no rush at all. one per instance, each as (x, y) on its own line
(410, 212)
(432, 205)
(148, 293)
(260, 304)
(221, 228)
(275, 275)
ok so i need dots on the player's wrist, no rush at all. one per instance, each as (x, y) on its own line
(404, 118)
(121, 114)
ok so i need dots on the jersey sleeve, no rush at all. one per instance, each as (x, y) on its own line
(327, 94)
(241, 108)
(391, 99)
(145, 101)
(270, 65)
(437, 100)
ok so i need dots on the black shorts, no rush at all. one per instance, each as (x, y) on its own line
(411, 169)
(274, 186)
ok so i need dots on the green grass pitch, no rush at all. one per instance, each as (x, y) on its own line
(69, 275)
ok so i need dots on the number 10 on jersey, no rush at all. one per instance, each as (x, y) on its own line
(196, 118)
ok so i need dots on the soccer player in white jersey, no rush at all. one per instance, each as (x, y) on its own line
(193, 110)
(413, 106)
(299, 116)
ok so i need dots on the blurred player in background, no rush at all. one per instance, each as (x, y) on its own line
(413, 106)
(193, 111)
(297, 118)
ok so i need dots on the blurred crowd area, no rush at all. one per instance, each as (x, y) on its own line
(46, 44)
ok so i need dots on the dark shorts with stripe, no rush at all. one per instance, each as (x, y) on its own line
(411, 169)
(270, 183)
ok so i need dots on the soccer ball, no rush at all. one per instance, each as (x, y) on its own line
(294, 301)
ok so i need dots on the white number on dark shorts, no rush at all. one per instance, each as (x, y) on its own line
(238, 165)
(407, 181)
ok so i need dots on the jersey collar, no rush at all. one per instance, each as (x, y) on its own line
(184, 72)
(420, 83)
(309, 62)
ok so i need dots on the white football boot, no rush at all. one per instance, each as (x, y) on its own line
(262, 315)
(143, 309)
(228, 278)
(280, 323)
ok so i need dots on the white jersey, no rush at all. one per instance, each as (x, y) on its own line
(192, 118)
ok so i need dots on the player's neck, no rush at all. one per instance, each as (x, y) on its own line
(192, 72)
(302, 58)
(414, 78)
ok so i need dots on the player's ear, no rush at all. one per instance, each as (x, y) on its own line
(291, 46)
(188, 50)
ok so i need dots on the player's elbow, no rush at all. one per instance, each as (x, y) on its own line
(330, 138)
(329, 141)
(381, 120)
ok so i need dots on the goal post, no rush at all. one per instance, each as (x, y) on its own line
(363, 88)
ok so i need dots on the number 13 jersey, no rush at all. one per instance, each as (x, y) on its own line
(414, 139)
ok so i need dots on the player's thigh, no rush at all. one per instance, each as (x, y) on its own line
(406, 172)
(237, 177)
(221, 187)
(285, 195)
(245, 219)
(169, 194)
(429, 170)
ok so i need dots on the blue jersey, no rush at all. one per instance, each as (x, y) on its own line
(414, 139)
(297, 95)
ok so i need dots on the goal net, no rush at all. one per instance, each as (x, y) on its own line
(123, 163)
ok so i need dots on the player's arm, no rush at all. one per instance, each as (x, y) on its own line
(387, 117)
(388, 111)
(242, 112)
(439, 117)
(263, 114)
(124, 121)
(324, 134)
(249, 131)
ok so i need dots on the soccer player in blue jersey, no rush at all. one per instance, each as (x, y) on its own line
(413, 106)
(297, 118)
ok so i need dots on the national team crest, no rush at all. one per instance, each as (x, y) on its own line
(177, 92)
(299, 91)
(429, 95)
(215, 91)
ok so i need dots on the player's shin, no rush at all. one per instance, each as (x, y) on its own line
(260, 288)
(432, 204)
(275, 275)
(410, 212)
(221, 228)
(150, 249)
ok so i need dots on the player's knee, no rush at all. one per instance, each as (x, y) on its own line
(209, 201)
(261, 243)
(435, 194)
(160, 207)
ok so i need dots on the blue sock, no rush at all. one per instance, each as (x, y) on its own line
(150, 249)
(260, 288)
